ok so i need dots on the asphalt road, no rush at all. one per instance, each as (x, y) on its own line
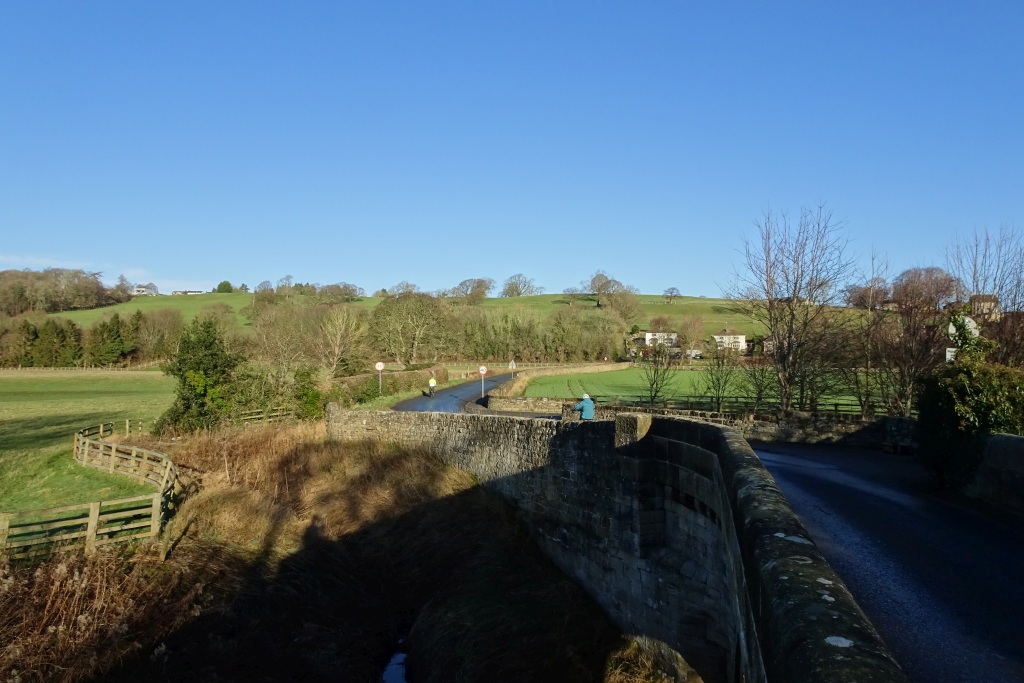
(452, 399)
(942, 580)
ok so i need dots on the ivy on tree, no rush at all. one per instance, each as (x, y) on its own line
(204, 368)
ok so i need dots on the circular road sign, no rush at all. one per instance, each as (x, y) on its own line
(379, 366)
(483, 369)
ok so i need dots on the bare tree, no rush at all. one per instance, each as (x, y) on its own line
(342, 340)
(409, 327)
(912, 338)
(991, 270)
(858, 345)
(990, 264)
(720, 376)
(603, 288)
(658, 372)
(790, 284)
(520, 285)
(573, 294)
(690, 333)
(758, 381)
(671, 294)
(472, 291)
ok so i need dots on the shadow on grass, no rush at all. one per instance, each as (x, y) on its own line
(47, 431)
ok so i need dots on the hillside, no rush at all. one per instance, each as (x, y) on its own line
(715, 313)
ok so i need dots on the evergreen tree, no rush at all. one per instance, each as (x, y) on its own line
(204, 368)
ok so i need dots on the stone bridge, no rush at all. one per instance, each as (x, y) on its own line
(675, 527)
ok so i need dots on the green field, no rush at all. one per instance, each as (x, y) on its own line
(610, 387)
(715, 313)
(40, 410)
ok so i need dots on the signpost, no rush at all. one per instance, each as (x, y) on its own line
(380, 377)
(972, 329)
(512, 367)
(483, 371)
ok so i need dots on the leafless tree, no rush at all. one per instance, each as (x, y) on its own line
(720, 376)
(342, 340)
(658, 372)
(990, 264)
(690, 333)
(601, 286)
(671, 294)
(758, 381)
(790, 284)
(408, 327)
(912, 338)
(520, 285)
(573, 294)
(472, 291)
(857, 346)
(991, 270)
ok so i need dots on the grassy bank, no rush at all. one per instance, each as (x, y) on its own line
(40, 410)
(305, 559)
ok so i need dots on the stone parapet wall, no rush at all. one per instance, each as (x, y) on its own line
(825, 427)
(523, 404)
(673, 526)
(999, 480)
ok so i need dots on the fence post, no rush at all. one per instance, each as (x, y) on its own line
(90, 531)
(154, 529)
(112, 461)
(5, 525)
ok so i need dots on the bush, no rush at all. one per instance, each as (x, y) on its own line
(203, 367)
(961, 407)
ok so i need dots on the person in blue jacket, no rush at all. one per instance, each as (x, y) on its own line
(586, 407)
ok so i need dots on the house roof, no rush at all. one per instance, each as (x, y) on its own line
(726, 332)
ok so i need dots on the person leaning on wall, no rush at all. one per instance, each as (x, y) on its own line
(585, 408)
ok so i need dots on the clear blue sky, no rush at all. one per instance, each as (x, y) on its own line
(186, 143)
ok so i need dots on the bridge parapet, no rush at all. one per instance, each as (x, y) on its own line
(674, 527)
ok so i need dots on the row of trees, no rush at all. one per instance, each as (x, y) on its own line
(56, 289)
(879, 338)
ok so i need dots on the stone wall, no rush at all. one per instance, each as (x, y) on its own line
(673, 526)
(999, 480)
(793, 427)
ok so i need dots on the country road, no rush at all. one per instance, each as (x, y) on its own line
(940, 579)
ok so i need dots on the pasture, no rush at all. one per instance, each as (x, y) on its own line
(41, 409)
(628, 384)
(715, 313)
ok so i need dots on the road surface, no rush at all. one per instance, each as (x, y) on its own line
(452, 399)
(942, 580)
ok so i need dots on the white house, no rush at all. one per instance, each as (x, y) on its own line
(145, 290)
(731, 339)
(660, 338)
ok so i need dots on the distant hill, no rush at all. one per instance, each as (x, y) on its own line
(716, 313)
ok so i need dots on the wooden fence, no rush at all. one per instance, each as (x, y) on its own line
(271, 415)
(32, 533)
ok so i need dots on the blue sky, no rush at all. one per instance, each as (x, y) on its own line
(187, 143)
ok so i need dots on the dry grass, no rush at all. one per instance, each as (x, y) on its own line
(300, 558)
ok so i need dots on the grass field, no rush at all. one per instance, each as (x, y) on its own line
(40, 410)
(625, 385)
(716, 313)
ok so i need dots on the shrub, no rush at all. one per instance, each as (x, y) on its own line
(962, 406)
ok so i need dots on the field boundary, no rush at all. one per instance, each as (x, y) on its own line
(31, 533)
